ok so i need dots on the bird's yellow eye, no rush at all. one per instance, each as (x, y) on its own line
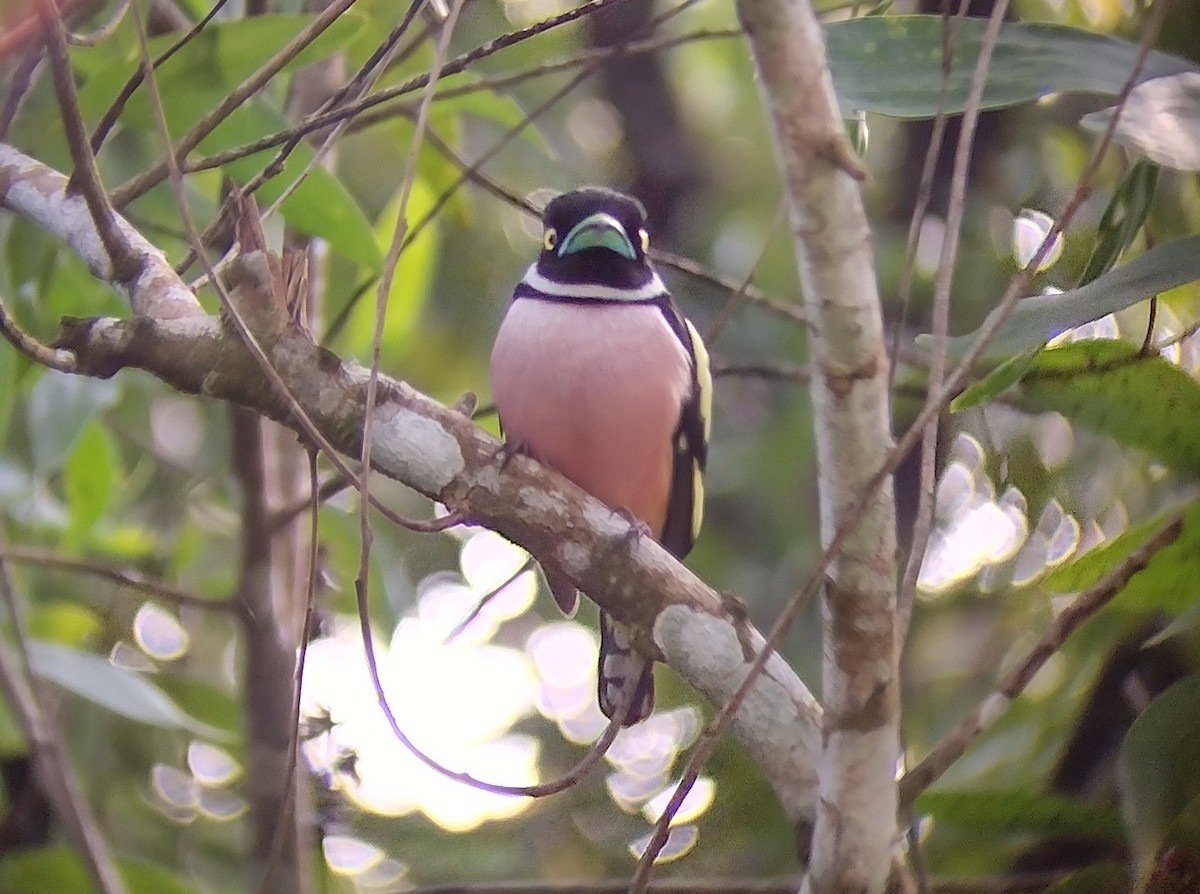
(550, 239)
(645, 240)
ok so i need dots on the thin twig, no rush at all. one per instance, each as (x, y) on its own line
(924, 188)
(784, 309)
(487, 597)
(328, 489)
(923, 520)
(513, 132)
(113, 113)
(19, 85)
(125, 577)
(786, 372)
(140, 184)
(739, 294)
(52, 763)
(105, 31)
(1014, 682)
(86, 176)
(26, 344)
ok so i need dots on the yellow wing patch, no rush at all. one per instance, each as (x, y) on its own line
(704, 399)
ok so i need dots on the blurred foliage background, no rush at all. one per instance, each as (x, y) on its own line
(127, 473)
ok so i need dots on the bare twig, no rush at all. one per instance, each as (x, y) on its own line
(113, 113)
(105, 31)
(125, 577)
(51, 761)
(785, 372)
(389, 272)
(723, 316)
(86, 177)
(779, 307)
(923, 520)
(19, 85)
(1014, 682)
(924, 186)
(487, 597)
(51, 358)
(370, 72)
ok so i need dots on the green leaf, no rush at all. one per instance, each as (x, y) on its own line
(61, 870)
(119, 690)
(999, 379)
(56, 869)
(410, 284)
(1122, 219)
(1169, 584)
(1160, 118)
(1111, 387)
(1085, 570)
(205, 701)
(63, 622)
(1034, 321)
(88, 479)
(1157, 767)
(60, 408)
(892, 64)
(1014, 811)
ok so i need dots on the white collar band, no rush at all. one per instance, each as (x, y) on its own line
(592, 291)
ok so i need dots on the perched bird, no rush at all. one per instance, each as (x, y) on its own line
(596, 373)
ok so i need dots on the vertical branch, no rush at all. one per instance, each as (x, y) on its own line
(856, 811)
(278, 850)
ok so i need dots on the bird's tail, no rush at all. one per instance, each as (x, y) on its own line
(625, 677)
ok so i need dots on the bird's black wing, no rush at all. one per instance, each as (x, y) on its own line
(686, 507)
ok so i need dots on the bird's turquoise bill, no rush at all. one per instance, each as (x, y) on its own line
(598, 231)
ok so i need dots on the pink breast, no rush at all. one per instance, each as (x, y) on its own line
(595, 391)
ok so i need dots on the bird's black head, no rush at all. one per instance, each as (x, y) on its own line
(595, 235)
